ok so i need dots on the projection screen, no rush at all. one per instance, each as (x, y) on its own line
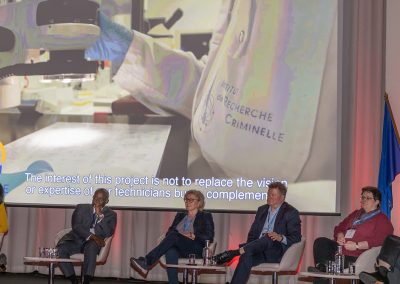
(264, 111)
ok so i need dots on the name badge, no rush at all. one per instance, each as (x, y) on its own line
(350, 234)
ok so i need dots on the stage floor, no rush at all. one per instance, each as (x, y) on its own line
(36, 278)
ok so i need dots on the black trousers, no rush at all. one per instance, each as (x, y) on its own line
(390, 253)
(324, 249)
(254, 255)
(174, 245)
(90, 251)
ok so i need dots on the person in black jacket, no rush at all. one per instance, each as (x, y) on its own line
(91, 224)
(387, 264)
(275, 228)
(186, 235)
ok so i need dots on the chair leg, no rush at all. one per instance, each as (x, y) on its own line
(194, 276)
(275, 278)
(185, 276)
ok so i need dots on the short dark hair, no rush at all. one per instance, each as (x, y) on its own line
(104, 191)
(280, 186)
(374, 190)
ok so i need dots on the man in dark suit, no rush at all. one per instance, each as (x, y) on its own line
(91, 224)
(275, 228)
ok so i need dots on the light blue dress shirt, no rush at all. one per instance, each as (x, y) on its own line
(270, 223)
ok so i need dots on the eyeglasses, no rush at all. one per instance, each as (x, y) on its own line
(190, 200)
(365, 198)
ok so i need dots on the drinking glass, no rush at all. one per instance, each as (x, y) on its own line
(331, 267)
(42, 252)
(352, 268)
(192, 259)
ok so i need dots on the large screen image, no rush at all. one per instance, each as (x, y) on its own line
(221, 96)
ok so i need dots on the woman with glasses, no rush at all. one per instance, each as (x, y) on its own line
(361, 230)
(187, 235)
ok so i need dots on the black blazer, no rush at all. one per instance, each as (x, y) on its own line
(287, 223)
(82, 219)
(203, 226)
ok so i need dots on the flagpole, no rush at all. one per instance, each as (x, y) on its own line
(391, 115)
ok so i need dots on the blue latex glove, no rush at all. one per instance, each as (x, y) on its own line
(113, 43)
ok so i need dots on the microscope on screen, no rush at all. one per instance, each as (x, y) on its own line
(30, 28)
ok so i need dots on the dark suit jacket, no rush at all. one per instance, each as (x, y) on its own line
(82, 219)
(287, 223)
(203, 226)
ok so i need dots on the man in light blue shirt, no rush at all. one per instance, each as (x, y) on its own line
(275, 228)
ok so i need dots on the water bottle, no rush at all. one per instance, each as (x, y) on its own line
(339, 260)
(206, 253)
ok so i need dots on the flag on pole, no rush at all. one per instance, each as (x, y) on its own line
(390, 159)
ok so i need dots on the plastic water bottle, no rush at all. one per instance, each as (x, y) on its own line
(206, 253)
(339, 260)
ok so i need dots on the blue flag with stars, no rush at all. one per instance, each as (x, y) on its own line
(390, 160)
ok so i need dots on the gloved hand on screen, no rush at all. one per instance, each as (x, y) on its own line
(113, 43)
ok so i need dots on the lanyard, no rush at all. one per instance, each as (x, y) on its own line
(94, 220)
(269, 222)
(365, 217)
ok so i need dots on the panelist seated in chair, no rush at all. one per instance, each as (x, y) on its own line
(91, 224)
(361, 230)
(186, 235)
(275, 228)
(387, 264)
